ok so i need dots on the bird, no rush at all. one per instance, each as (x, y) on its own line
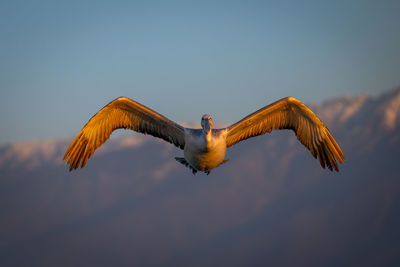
(205, 149)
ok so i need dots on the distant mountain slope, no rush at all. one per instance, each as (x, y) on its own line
(271, 204)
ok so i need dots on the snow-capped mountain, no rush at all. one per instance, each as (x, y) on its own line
(271, 204)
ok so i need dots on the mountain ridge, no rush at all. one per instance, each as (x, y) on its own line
(271, 204)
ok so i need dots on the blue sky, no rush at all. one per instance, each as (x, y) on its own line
(61, 61)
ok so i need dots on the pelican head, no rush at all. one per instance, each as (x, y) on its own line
(206, 123)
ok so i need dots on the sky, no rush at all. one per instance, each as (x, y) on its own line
(61, 61)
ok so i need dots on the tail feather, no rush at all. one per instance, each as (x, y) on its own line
(184, 162)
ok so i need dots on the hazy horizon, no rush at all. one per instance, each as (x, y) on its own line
(191, 124)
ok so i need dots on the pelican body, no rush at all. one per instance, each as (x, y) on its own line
(204, 149)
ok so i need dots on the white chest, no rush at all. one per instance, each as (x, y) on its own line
(205, 153)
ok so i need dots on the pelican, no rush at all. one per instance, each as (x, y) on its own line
(204, 149)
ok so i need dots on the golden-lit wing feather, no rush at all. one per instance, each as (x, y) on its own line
(121, 113)
(290, 113)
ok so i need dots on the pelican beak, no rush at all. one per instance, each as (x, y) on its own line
(207, 126)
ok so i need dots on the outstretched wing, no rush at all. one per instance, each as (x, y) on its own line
(121, 113)
(290, 113)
